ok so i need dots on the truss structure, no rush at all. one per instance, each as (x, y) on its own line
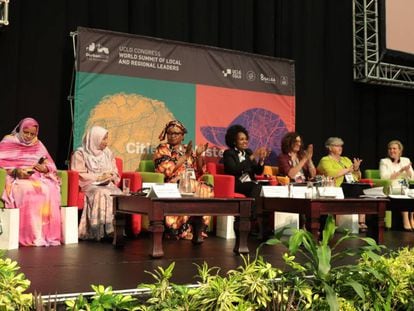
(368, 66)
(4, 12)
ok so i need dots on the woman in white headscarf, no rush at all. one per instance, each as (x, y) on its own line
(98, 177)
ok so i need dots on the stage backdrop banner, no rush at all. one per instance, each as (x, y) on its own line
(134, 85)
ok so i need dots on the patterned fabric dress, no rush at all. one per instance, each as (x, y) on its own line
(165, 159)
(37, 197)
(91, 162)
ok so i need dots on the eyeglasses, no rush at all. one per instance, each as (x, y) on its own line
(174, 133)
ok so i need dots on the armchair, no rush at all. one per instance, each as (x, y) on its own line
(63, 175)
(2, 184)
(147, 170)
(374, 176)
(77, 198)
(223, 184)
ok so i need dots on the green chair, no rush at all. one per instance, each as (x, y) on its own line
(2, 184)
(63, 175)
(146, 166)
(146, 169)
(374, 176)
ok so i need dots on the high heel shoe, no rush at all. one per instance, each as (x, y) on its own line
(363, 227)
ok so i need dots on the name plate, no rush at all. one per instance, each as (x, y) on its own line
(275, 191)
(300, 192)
(167, 190)
(331, 192)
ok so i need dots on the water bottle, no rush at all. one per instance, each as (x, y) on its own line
(290, 190)
(309, 190)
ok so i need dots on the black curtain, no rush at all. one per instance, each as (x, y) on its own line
(36, 63)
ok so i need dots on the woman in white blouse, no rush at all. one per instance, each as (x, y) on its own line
(398, 169)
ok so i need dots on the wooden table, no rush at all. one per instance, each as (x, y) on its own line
(158, 208)
(311, 210)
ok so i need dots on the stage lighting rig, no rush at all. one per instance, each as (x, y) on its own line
(4, 12)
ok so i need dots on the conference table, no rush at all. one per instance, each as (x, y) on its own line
(158, 208)
(311, 210)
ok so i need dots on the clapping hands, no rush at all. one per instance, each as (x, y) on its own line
(200, 149)
(308, 153)
(356, 164)
(261, 153)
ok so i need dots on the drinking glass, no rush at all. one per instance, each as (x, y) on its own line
(126, 183)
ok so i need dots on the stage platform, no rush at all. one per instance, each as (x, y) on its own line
(73, 268)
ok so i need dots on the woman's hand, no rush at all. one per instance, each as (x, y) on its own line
(406, 168)
(357, 163)
(309, 152)
(23, 173)
(261, 153)
(42, 168)
(105, 176)
(200, 149)
(189, 148)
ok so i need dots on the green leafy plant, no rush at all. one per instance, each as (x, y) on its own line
(13, 286)
(104, 299)
(388, 283)
(318, 270)
(169, 296)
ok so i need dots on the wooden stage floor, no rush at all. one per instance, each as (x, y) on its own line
(73, 268)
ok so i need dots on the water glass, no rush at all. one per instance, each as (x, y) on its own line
(126, 184)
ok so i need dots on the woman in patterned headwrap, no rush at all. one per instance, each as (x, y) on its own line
(171, 159)
(31, 185)
(98, 177)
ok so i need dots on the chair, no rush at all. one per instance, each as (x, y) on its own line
(374, 176)
(147, 170)
(77, 198)
(63, 175)
(2, 184)
(223, 188)
(146, 166)
(223, 184)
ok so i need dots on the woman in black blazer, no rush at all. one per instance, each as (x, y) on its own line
(243, 163)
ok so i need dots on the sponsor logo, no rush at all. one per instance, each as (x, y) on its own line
(284, 80)
(232, 73)
(268, 79)
(251, 75)
(97, 52)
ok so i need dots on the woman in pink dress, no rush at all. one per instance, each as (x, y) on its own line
(98, 177)
(31, 185)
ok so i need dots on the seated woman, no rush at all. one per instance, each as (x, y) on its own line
(341, 168)
(172, 159)
(98, 177)
(398, 169)
(31, 185)
(295, 162)
(243, 163)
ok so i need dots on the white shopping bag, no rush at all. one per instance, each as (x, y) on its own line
(225, 228)
(9, 228)
(69, 218)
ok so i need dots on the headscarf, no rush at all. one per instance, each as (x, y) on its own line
(173, 123)
(25, 123)
(15, 152)
(96, 159)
